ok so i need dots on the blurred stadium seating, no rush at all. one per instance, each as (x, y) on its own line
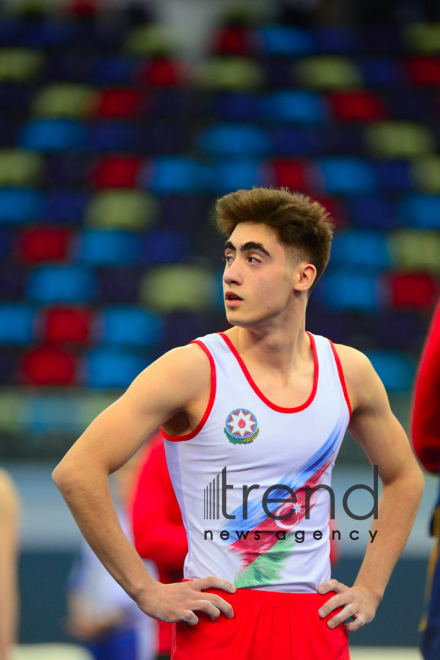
(111, 156)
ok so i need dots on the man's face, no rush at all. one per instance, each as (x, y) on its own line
(258, 270)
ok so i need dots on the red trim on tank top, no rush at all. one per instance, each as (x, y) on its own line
(260, 393)
(341, 376)
(200, 425)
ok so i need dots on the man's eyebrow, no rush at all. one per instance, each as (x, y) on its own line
(250, 245)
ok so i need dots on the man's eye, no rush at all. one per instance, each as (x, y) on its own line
(226, 257)
(257, 260)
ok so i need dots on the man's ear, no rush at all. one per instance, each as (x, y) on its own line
(305, 275)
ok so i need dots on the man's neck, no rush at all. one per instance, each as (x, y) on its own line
(281, 352)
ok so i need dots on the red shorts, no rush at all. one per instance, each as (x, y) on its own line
(266, 625)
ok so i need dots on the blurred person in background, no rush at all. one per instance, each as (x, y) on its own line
(9, 595)
(425, 425)
(101, 616)
(158, 530)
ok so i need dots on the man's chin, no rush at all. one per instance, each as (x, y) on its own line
(235, 319)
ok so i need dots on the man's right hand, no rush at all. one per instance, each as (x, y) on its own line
(177, 601)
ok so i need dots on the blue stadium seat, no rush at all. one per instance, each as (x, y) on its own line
(394, 175)
(56, 135)
(66, 206)
(296, 140)
(374, 212)
(418, 210)
(349, 290)
(112, 70)
(343, 175)
(70, 283)
(233, 140)
(17, 323)
(163, 246)
(175, 174)
(382, 71)
(286, 40)
(20, 205)
(395, 369)
(112, 367)
(108, 247)
(233, 174)
(361, 247)
(234, 105)
(296, 106)
(47, 33)
(125, 324)
(106, 135)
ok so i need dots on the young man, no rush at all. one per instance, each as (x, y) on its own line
(259, 410)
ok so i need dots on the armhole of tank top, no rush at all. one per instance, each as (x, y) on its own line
(341, 377)
(200, 425)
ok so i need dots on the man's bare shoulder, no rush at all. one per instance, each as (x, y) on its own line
(186, 368)
(361, 379)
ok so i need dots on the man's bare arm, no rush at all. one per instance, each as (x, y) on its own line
(9, 601)
(379, 433)
(165, 388)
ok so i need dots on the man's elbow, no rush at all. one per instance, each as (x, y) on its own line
(66, 475)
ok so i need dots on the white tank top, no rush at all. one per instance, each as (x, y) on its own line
(259, 443)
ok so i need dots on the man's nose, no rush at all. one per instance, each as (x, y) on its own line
(233, 273)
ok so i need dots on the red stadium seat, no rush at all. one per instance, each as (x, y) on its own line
(162, 72)
(335, 209)
(120, 103)
(67, 324)
(44, 244)
(116, 172)
(82, 7)
(48, 366)
(357, 106)
(235, 40)
(424, 70)
(290, 173)
(415, 289)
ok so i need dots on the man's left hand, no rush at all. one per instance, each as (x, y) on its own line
(357, 602)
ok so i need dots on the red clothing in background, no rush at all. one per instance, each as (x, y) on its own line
(158, 529)
(426, 400)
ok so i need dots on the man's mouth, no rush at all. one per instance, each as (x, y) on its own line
(229, 295)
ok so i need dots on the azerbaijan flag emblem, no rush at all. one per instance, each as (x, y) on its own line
(241, 427)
